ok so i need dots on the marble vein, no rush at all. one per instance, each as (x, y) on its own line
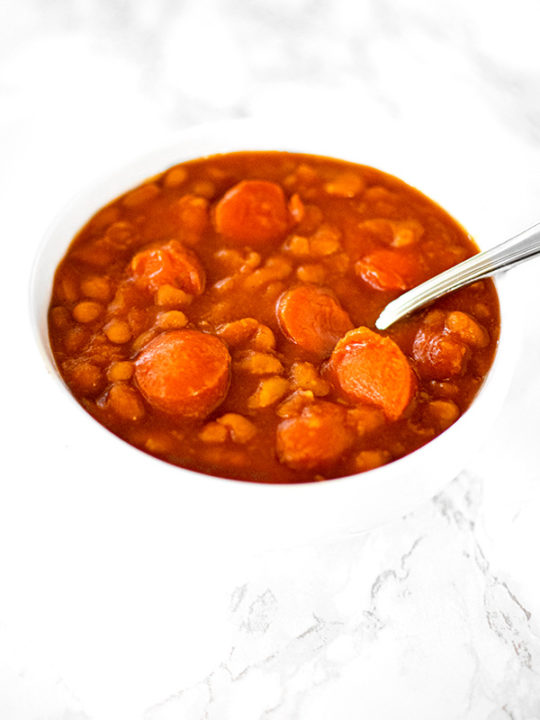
(283, 677)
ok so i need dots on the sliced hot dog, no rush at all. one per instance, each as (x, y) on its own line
(169, 264)
(371, 368)
(314, 439)
(312, 318)
(390, 270)
(184, 372)
(252, 212)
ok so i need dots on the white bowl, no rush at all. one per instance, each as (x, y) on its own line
(278, 515)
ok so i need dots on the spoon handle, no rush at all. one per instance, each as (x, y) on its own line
(501, 257)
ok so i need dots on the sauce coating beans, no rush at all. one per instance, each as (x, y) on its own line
(221, 317)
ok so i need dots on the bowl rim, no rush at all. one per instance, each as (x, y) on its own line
(494, 386)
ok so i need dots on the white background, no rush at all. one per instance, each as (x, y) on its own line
(432, 616)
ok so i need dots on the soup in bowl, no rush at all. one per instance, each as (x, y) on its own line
(216, 310)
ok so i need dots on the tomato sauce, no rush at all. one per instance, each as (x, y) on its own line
(221, 315)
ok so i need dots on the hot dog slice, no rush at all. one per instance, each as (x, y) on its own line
(253, 212)
(169, 264)
(389, 270)
(312, 318)
(314, 439)
(184, 372)
(368, 367)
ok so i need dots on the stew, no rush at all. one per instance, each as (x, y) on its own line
(220, 316)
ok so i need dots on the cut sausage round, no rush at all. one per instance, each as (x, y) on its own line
(439, 356)
(368, 367)
(253, 212)
(312, 318)
(314, 439)
(169, 264)
(390, 270)
(184, 372)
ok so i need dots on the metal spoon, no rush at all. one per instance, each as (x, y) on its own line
(501, 257)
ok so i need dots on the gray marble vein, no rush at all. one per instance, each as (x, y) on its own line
(395, 612)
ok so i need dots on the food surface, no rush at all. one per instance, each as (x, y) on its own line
(221, 315)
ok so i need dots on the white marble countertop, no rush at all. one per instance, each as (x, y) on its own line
(435, 615)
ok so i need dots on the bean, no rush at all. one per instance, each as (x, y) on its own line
(126, 402)
(121, 234)
(258, 363)
(212, 432)
(303, 175)
(273, 290)
(378, 192)
(174, 319)
(175, 177)
(313, 217)
(268, 392)
(365, 419)
(121, 370)
(99, 254)
(263, 339)
(443, 413)
(74, 339)
(204, 188)
(247, 331)
(252, 261)
(60, 317)
(325, 241)
(87, 311)
(96, 287)
(230, 258)
(241, 429)
(140, 195)
(305, 377)
(118, 331)
(298, 245)
(275, 268)
(346, 185)
(406, 232)
(68, 288)
(105, 217)
(370, 459)
(192, 212)
(446, 389)
(296, 208)
(313, 273)
(295, 403)
(482, 311)
(225, 285)
(142, 339)
(158, 443)
(170, 295)
(467, 329)
(86, 378)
